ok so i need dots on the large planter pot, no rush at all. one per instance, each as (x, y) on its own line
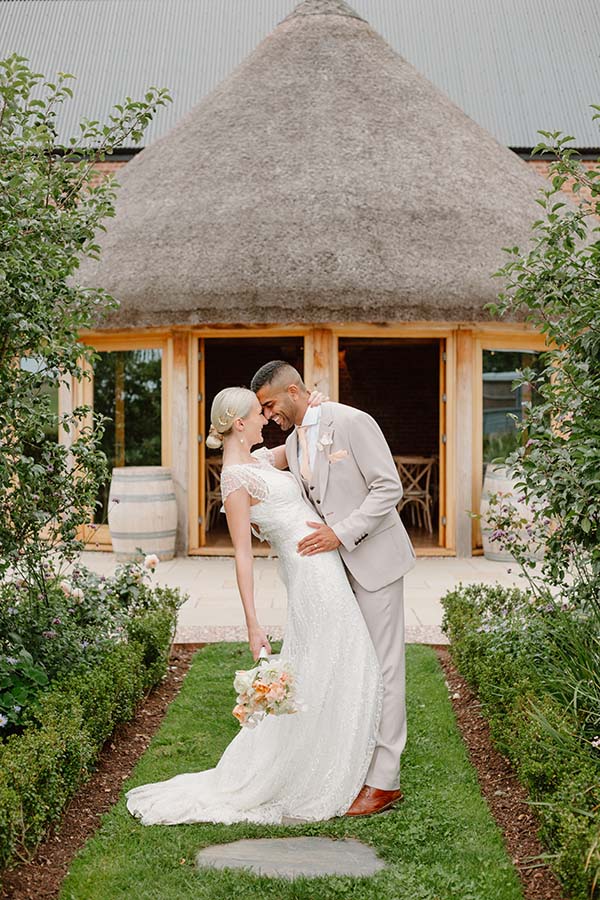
(498, 479)
(145, 515)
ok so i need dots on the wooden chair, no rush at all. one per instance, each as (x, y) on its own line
(213, 490)
(415, 474)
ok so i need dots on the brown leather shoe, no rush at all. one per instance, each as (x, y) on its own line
(371, 800)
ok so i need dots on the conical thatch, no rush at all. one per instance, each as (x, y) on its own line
(324, 180)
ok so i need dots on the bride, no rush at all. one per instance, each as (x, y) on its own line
(312, 764)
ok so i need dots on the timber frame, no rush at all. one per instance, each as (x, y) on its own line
(183, 406)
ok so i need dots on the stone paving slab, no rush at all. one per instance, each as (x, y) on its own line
(309, 857)
(214, 610)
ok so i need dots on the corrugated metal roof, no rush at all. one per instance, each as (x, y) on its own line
(512, 66)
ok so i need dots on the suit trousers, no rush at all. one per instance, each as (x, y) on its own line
(383, 612)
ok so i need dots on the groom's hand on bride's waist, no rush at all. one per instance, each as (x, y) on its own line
(322, 539)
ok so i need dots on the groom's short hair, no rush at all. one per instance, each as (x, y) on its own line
(276, 372)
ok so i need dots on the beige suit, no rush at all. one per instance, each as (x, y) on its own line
(355, 488)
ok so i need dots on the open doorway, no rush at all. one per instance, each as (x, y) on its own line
(401, 383)
(228, 362)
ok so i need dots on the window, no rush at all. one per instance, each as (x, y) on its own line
(127, 389)
(502, 401)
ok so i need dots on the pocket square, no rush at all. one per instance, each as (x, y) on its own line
(337, 455)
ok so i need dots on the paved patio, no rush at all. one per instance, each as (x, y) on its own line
(213, 611)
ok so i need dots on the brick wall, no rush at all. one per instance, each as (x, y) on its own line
(109, 167)
(542, 166)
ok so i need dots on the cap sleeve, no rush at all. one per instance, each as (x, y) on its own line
(235, 477)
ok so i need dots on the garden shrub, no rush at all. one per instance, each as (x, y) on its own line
(76, 653)
(42, 767)
(505, 643)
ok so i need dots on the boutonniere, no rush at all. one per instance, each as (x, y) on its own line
(337, 455)
(325, 440)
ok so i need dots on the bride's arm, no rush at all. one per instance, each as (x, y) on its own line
(237, 510)
(279, 457)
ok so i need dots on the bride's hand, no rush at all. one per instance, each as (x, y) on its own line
(257, 638)
(316, 398)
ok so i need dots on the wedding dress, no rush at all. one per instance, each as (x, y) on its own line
(311, 764)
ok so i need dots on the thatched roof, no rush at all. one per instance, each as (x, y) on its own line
(324, 180)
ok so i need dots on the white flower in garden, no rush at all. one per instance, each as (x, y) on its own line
(3, 720)
(596, 742)
(66, 588)
(77, 594)
(151, 561)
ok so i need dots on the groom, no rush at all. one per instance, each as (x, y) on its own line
(344, 466)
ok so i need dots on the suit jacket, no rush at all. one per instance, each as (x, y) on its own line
(355, 488)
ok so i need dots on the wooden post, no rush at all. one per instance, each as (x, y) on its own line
(178, 433)
(119, 458)
(321, 368)
(464, 441)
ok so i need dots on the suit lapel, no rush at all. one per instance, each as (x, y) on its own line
(291, 451)
(321, 467)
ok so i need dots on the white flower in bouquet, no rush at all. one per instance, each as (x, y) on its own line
(243, 680)
(268, 689)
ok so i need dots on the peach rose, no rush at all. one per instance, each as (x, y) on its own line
(240, 713)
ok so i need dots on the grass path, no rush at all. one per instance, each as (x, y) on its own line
(440, 844)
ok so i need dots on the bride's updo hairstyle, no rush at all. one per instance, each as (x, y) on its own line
(229, 404)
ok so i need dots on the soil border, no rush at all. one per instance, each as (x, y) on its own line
(504, 794)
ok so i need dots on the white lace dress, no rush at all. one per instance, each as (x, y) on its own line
(312, 764)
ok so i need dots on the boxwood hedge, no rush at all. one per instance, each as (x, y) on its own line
(42, 767)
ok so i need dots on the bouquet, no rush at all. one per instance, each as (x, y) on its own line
(267, 690)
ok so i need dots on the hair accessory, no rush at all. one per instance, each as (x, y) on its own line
(224, 422)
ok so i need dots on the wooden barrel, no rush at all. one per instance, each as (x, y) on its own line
(145, 515)
(497, 480)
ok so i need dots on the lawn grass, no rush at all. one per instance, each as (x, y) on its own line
(441, 843)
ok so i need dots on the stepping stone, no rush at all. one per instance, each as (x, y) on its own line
(290, 857)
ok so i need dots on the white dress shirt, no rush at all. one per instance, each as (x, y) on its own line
(311, 419)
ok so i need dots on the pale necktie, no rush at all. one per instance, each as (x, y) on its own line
(305, 469)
